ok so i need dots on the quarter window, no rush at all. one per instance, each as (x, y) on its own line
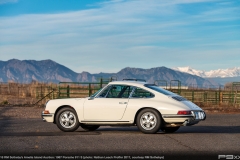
(141, 93)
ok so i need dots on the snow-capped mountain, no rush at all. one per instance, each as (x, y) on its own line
(230, 72)
(190, 71)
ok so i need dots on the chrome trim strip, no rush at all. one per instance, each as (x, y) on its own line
(105, 121)
(179, 116)
(47, 115)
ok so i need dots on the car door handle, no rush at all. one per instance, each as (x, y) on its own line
(122, 102)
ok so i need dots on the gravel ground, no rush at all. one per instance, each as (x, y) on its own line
(24, 133)
(218, 135)
(21, 112)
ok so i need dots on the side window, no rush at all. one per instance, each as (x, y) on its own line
(126, 91)
(141, 93)
(119, 91)
(114, 91)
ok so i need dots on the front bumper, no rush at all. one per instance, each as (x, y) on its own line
(47, 117)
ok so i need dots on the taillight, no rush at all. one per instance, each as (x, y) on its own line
(184, 112)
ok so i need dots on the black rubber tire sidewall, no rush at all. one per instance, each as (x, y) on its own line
(75, 127)
(158, 125)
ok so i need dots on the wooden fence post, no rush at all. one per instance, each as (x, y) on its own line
(205, 96)
(68, 90)
(216, 97)
(220, 97)
(235, 98)
(89, 89)
(192, 95)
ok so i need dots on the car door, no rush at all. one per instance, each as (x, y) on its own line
(109, 105)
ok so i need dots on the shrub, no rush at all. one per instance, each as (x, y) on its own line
(5, 102)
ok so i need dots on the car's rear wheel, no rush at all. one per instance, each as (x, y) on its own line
(67, 120)
(89, 127)
(170, 129)
(149, 121)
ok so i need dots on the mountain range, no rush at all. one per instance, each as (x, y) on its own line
(230, 72)
(26, 71)
(221, 76)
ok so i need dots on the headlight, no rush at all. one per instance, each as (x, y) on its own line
(46, 104)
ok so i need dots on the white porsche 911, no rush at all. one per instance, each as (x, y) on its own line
(148, 106)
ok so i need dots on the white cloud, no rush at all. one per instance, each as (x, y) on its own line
(8, 1)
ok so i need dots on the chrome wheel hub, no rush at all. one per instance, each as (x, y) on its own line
(67, 119)
(148, 121)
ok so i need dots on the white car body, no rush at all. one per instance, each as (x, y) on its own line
(98, 110)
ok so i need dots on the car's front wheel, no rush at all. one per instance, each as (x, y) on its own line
(89, 127)
(149, 121)
(67, 120)
(170, 129)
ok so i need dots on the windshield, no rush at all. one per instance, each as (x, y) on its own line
(158, 89)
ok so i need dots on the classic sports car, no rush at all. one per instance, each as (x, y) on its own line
(148, 106)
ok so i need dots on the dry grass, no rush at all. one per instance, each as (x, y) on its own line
(24, 94)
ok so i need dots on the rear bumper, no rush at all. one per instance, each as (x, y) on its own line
(184, 120)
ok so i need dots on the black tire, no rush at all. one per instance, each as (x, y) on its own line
(67, 120)
(153, 122)
(170, 129)
(89, 127)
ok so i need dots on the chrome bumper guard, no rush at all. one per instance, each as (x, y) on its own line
(199, 115)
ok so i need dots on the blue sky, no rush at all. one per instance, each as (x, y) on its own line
(108, 35)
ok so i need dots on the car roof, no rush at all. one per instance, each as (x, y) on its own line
(134, 83)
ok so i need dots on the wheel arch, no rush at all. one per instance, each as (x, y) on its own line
(135, 118)
(63, 106)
